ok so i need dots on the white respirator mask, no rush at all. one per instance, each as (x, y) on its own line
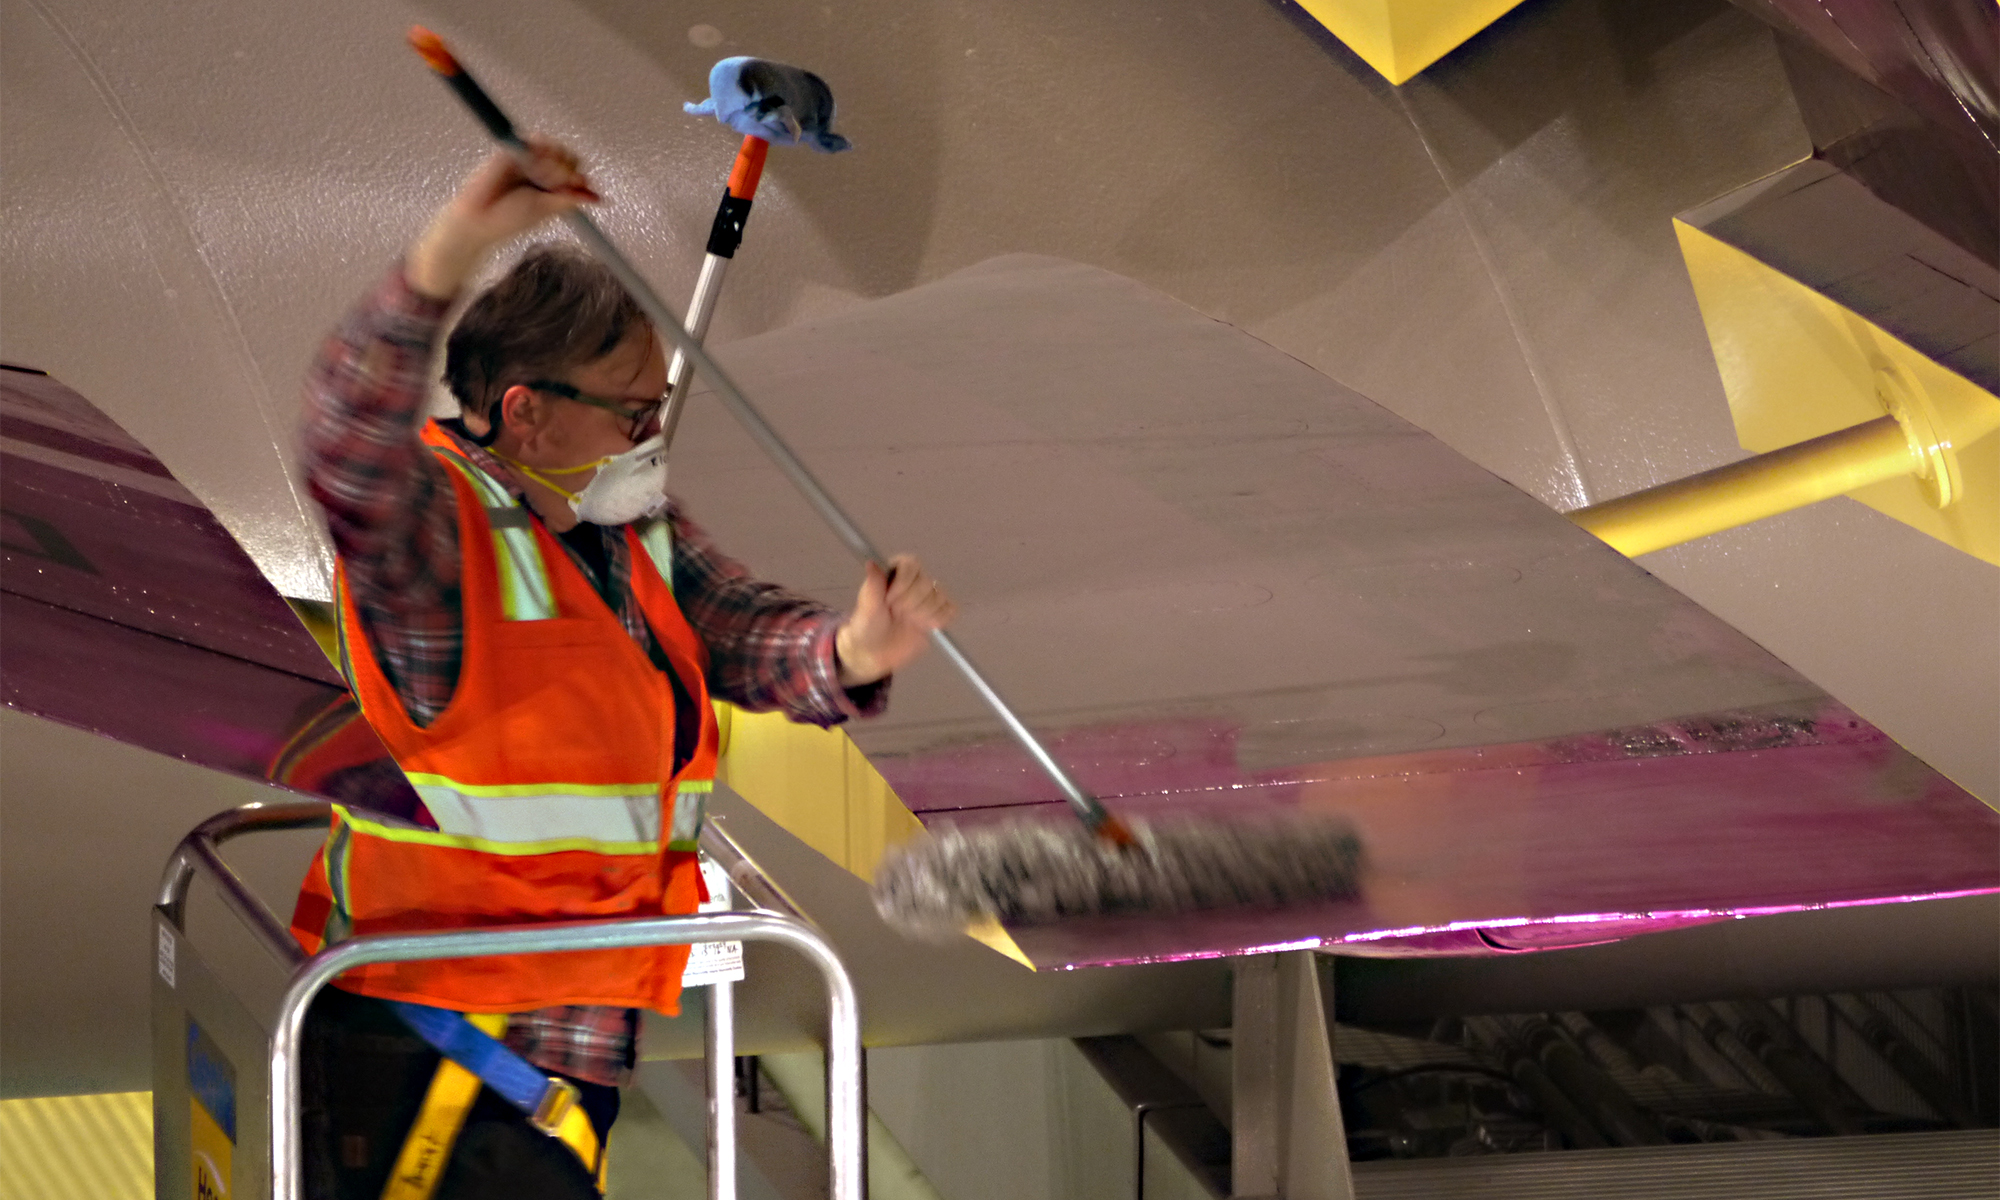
(628, 487)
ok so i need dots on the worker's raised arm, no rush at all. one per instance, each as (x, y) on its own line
(501, 200)
(388, 505)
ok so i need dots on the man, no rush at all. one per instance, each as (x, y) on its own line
(543, 680)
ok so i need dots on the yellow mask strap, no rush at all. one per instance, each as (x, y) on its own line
(542, 477)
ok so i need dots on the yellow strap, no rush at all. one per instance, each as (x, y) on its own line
(580, 1136)
(427, 1149)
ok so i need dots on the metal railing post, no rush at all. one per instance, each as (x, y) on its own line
(721, 1045)
(846, 1110)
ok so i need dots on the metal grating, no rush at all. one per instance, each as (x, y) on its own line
(1913, 1166)
(97, 1147)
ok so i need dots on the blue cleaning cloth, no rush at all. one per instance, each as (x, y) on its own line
(785, 105)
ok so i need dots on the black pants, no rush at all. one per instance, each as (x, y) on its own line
(363, 1076)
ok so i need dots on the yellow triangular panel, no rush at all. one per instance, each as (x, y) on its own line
(1797, 365)
(826, 793)
(992, 934)
(1401, 37)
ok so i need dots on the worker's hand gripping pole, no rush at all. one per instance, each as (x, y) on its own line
(1093, 814)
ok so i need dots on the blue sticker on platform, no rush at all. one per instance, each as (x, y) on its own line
(211, 1080)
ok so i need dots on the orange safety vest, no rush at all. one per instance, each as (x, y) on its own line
(549, 775)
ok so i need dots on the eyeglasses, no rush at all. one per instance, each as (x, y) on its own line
(636, 419)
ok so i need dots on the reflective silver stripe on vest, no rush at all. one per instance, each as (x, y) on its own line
(690, 809)
(525, 594)
(625, 824)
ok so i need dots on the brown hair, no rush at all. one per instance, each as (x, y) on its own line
(557, 309)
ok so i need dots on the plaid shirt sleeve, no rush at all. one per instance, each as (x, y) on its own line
(389, 506)
(769, 648)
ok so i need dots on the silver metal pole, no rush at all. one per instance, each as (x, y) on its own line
(719, 1028)
(1092, 813)
(755, 884)
(701, 310)
(721, 1038)
(261, 921)
(230, 823)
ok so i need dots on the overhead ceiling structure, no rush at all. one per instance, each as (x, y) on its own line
(1249, 474)
(1214, 578)
(1223, 582)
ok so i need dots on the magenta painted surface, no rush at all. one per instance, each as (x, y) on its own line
(1510, 848)
(94, 524)
(129, 612)
(125, 609)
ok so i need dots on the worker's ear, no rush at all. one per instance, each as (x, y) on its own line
(524, 411)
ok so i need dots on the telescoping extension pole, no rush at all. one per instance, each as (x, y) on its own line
(723, 238)
(1088, 808)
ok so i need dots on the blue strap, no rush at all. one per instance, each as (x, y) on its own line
(506, 1072)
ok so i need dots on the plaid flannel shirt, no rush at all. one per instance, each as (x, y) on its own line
(390, 509)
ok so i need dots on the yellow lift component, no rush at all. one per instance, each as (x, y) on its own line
(1399, 38)
(1838, 407)
(824, 791)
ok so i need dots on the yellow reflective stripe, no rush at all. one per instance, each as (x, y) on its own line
(338, 923)
(658, 539)
(454, 841)
(524, 579)
(420, 779)
(427, 1148)
(340, 635)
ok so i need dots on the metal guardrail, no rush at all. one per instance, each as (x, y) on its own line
(778, 921)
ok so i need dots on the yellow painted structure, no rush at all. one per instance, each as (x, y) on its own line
(1399, 38)
(95, 1147)
(1833, 405)
(824, 791)
(322, 622)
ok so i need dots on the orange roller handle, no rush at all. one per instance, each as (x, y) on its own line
(431, 46)
(749, 168)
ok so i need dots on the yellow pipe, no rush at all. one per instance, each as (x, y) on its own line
(1756, 488)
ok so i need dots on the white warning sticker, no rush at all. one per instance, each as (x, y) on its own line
(714, 962)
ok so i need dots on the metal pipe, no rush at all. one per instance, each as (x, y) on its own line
(1562, 1113)
(745, 875)
(1771, 1038)
(1086, 806)
(720, 1031)
(230, 823)
(1909, 1063)
(263, 924)
(1608, 1107)
(1755, 488)
(1716, 1032)
(846, 1155)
